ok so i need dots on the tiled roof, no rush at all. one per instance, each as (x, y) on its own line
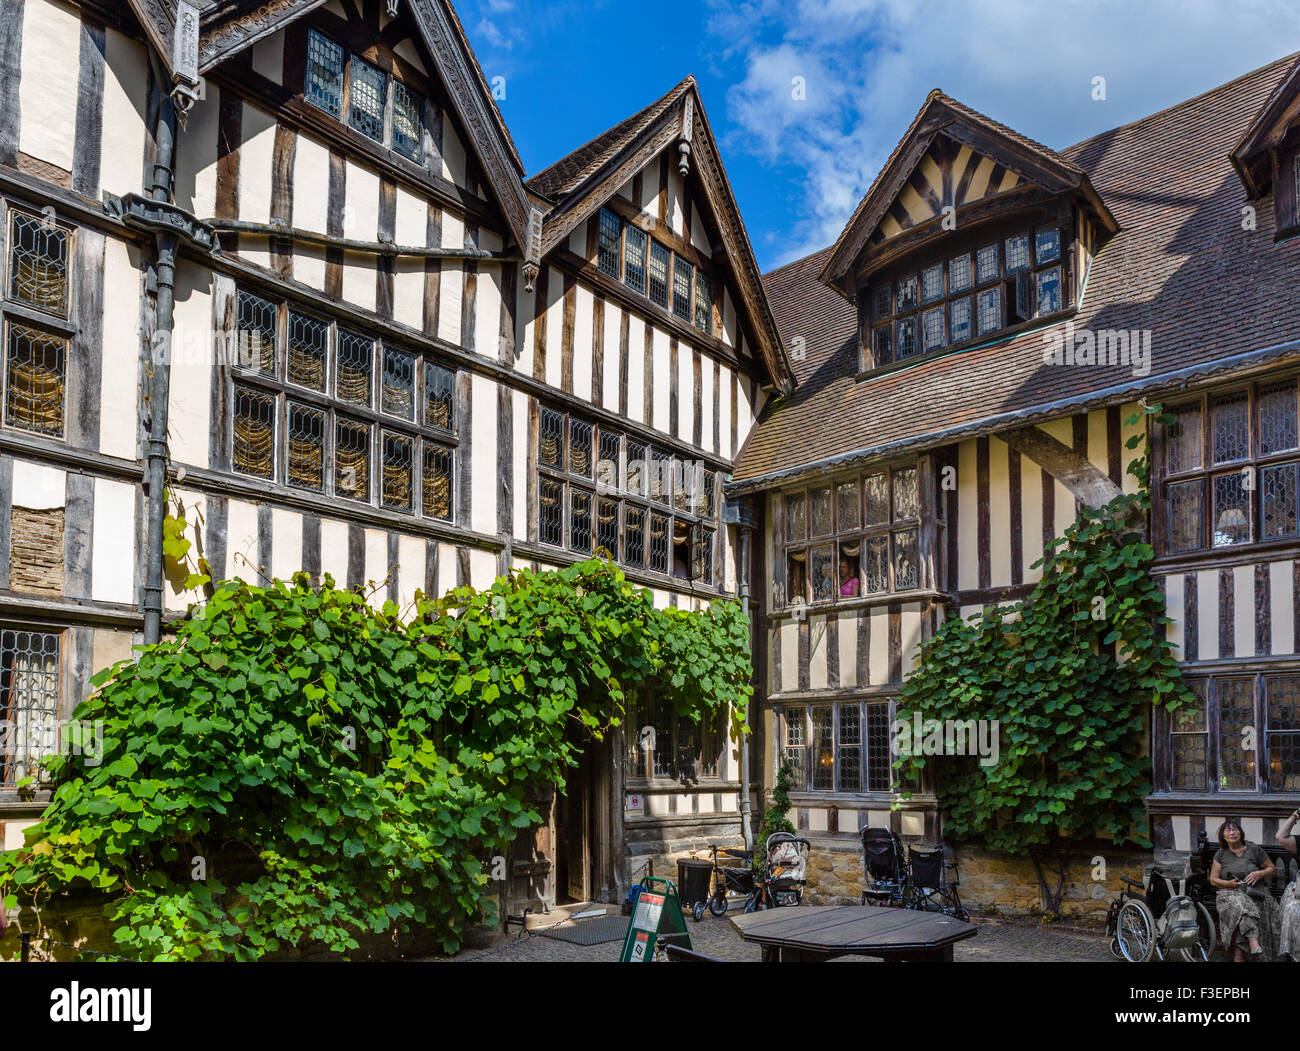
(1181, 265)
(571, 170)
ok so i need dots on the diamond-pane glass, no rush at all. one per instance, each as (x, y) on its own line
(607, 459)
(254, 426)
(634, 536)
(1277, 491)
(550, 439)
(398, 383)
(796, 526)
(255, 336)
(850, 748)
(876, 487)
(658, 269)
(580, 520)
(369, 97)
(907, 573)
(35, 381)
(702, 555)
(397, 484)
(1236, 714)
(823, 748)
(324, 84)
(439, 397)
(659, 543)
(550, 518)
(882, 345)
(29, 702)
(634, 248)
(875, 568)
(356, 358)
(1277, 419)
(607, 526)
(308, 342)
(682, 274)
(882, 301)
(408, 122)
(1185, 515)
(823, 574)
(848, 506)
(1183, 439)
(879, 761)
(607, 243)
(906, 499)
(38, 263)
(352, 460)
(636, 469)
(820, 505)
(580, 439)
(437, 492)
(1230, 428)
(1231, 522)
(305, 448)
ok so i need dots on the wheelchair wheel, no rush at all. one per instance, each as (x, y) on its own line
(1115, 949)
(718, 904)
(1136, 931)
(1204, 947)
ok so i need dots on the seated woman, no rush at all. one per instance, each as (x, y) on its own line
(848, 578)
(1247, 911)
(1289, 942)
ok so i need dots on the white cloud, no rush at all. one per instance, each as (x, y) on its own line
(868, 65)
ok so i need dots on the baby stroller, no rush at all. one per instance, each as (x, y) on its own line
(786, 871)
(885, 868)
(930, 890)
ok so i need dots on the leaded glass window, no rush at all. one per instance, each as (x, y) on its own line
(1277, 419)
(879, 759)
(369, 98)
(932, 328)
(356, 358)
(1282, 700)
(408, 122)
(1231, 510)
(399, 383)
(848, 505)
(850, 748)
(436, 488)
(255, 333)
(254, 426)
(1185, 515)
(823, 749)
(907, 338)
(607, 525)
(1190, 739)
(959, 319)
(1047, 244)
(1017, 253)
(38, 263)
(634, 536)
(580, 520)
(986, 264)
(607, 246)
(397, 485)
(30, 679)
(959, 273)
(439, 397)
(352, 460)
(659, 525)
(324, 86)
(305, 448)
(1237, 767)
(550, 444)
(1049, 290)
(907, 289)
(308, 347)
(822, 520)
(35, 380)
(659, 263)
(988, 305)
(682, 275)
(1278, 488)
(580, 438)
(932, 283)
(1230, 428)
(704, 303)
(634, 259)
(550, 518)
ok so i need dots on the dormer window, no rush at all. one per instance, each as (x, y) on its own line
(976, 293)
(378, 105)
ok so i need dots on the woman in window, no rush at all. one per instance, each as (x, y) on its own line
(1247, 911)
(848, 578)
(1289, 942)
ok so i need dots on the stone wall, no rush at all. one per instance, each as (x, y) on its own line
(990, 882)
(36, 552)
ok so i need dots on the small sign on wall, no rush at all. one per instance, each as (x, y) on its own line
(635, 803)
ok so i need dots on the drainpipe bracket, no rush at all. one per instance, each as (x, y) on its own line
(144, 213)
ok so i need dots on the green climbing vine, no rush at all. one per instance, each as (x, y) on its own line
(295, 768)
(775, 818)
(1069, 675)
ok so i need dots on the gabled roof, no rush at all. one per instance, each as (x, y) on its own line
(1213, 296)
(229, 27)
(941, 126)
(1265, 132)
(583, 180)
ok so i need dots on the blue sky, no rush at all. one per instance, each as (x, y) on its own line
(799, 166)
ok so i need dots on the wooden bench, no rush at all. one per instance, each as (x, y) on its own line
(1203, 861)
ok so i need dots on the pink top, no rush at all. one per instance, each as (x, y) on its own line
(849, 588)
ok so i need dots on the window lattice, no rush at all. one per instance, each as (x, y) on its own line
(550, 448)
(796, 745)
(35, 380)
(882, 301)
(1231, 510)
(308, 343)
(850, 748)
(821, 519)
(633, 536)
(398, 383)
(906, 497)
(356, 357)
(659, 543)
(1185, 502)
(708, 485)
(882, 344)
(608, 242)
(607, 472)
(876, 487)
(907, 573)
(550, 516)
(704, 303)
(397, 485)
(879, 762)
(988, 306)
(369, 97)
(932, 332)
(661, 476)
(1047, 244)
(579, 520)
(408, 122)
(255, 337)
(682, 273)
(1017, 253)
(932, 283)
(1230, 428)
(907, 289)
(1236, 713)
(29, 702)
(796, 525)
(986, 264)
(634, 259)
(352, 460)
(437, 482)
(1282, 695)
(823, 574)
(324, 86)
(580, 439)
(1277, 487)
(254, 424)
(439, 397)
(959, 320)
(876, 567)
(607, 526)
(1049, 290)
(823, 748)
(636, 469)
(305, 448)
(1190, 751)
(658, 271)
(1183, 439)
(1277, 419)
(959, 273)
(38, 263)
(702, 555)
(847, 505)
(906, 344)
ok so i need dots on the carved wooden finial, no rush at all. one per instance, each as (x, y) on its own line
(684, 144)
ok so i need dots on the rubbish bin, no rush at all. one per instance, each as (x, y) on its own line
(693, 881)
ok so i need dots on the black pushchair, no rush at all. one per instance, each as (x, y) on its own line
(885, 868)
(786, 871)
(930, 889)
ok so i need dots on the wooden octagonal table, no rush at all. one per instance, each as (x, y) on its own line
(810, 933)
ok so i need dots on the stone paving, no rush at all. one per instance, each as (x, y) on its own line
(998, 940)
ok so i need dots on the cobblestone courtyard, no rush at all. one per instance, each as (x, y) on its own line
(998, 940)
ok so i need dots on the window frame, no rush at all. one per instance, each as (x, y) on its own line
(800, 714)
(8, 787)
(288, 396)
(1207, 471)
(639, 763)
(702, 516)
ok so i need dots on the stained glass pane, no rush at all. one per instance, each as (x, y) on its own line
(352, 460)
(906, 338)
(1047, 245)
(1049, 290)
(1277, 418)
(35, 381)
(986, 264)
(408, 122)
(1017, 253)
(369, 98)
(356, 358)
(580, 438)
(580, 520)
(821, 518)
(607, 247)
(1231, 510)
(796, 526)
(550, 441)
(437, 482)
(255, 337)
(550, 517)
(907, 289)
(907, 572)
(254, 429)
(875, 572)
(879, 761)
(324, 84)
(1230, 428)
(932, 283)
(397, 486)
(959, 319)
(439, 397)
(399, 383)
(305, 448)
(988, 306)
(1186, 515)
(932, 328)
(1236, 699)
(823, 574)
(848, 506)
(877, 493)
(1277, 488)
(308, 342)
(634, 259)
(1183, 439)
(959, 273)
(823, 749)
(906, 500)
(850, 748)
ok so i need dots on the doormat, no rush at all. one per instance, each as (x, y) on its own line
(595, 931)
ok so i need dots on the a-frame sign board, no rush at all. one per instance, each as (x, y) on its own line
(656, 917)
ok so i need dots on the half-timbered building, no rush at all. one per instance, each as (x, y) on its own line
(282, 260)
(936, 439)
